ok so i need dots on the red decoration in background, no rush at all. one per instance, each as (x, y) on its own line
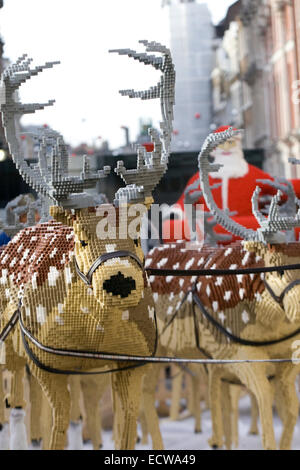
(90, 152)
(197, 116)
(223, 129)
(175, 132)
(45, 126)
(23, 137)
(149, 146)
(73, 154)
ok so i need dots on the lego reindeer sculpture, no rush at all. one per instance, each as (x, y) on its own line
(238, 316)
(81, 297)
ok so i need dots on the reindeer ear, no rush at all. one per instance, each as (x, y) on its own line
(66, 217)
(255, 247)
(148, 202)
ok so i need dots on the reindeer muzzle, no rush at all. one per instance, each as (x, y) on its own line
(119, 285)
(87, 279)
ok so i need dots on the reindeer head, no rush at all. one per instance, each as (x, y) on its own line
(111, 266)
(110, 261)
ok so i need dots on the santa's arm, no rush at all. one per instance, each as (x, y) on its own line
(174, 222)
(193, 185)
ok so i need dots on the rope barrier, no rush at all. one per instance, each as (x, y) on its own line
(220, 272)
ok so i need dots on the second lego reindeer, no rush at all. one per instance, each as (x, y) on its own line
(239, 316)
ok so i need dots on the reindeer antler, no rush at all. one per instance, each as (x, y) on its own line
(285, 186)
(210, 236)
(48, 179)
(151, 166)
(191, 198)
(270, 230)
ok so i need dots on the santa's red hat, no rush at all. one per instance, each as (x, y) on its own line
(223, 129)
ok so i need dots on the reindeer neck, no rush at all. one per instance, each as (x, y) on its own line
(107, 329)
(273, 258)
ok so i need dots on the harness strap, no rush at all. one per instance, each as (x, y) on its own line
(9, 326)
(233, 337)
(220, 272)
(87, 279)
(279, 298)
(141, 360)
(53, 370)
(175, 313)
(82, 354)
(167, 360)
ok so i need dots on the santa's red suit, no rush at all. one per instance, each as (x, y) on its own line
(237, 180)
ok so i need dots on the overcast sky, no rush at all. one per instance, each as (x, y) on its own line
(85, 85)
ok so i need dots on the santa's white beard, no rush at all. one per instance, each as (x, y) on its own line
(234, 166)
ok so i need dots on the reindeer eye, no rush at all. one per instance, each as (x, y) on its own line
(83, 243)
(136, 242)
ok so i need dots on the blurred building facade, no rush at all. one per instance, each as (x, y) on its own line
(283, 83)
(3, 63)
(256, 78)
(191, 39)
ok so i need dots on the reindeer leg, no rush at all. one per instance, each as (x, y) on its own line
(128, 386)
(188, 393)
(115, 398)
(2, 398)
(93, 390)
(75, 386)
(235, 392)
(148, 405)
(36, 399)
(254, 415)
(176, 395)
(4, 426)
(287, 402)
(162, 393)
(56, 390)
(196, 395)
(204, 387)
(227, 414)
(144, 428)
(215, 400)
(75, 428)
(254, 377)
(18, 435)
(17, 386)
(46, 420)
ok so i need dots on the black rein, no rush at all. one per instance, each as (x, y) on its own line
(220, 272)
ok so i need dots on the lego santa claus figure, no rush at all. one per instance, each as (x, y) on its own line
(232, 189)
